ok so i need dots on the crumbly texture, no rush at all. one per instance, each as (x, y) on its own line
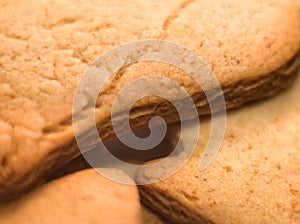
(82, 197)
(255, 177)
(45, 47)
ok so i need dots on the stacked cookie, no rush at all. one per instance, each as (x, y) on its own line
(251, 47)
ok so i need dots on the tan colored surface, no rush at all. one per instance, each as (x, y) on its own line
(45, 46)
(255, 177)
(83, 197)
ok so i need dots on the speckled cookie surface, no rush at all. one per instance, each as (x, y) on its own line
(255, 177)
(45, 46)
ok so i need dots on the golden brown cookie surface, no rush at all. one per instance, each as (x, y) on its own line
(254, 178)
(46, 46)
(82, 197)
